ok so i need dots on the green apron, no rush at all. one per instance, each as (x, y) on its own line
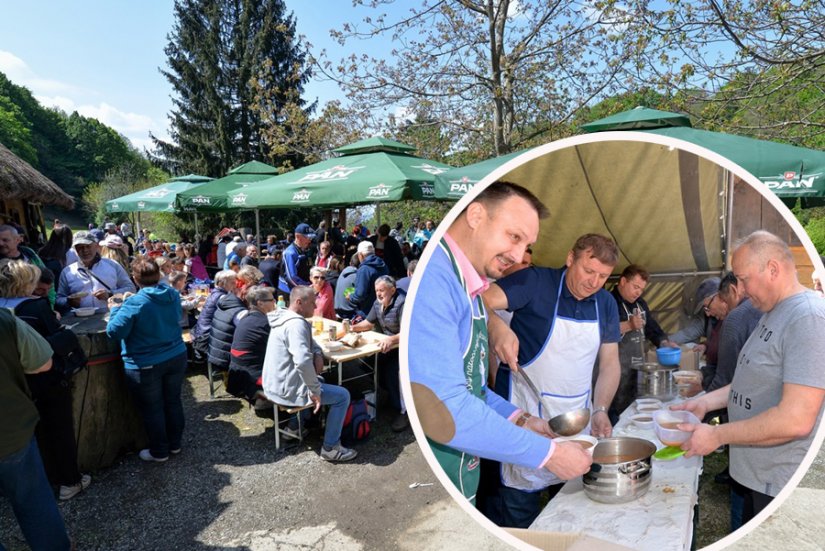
(464, 469)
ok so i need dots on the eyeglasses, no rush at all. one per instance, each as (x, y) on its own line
(706, 307)
(317, 277)
(266, 300)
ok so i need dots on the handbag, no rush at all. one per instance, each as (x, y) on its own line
(69, 356)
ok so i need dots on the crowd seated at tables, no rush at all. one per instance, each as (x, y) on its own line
(163, 298)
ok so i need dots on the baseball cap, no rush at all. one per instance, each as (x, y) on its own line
(112, 241)
(366, 247)
(304, 229)
(708, 287)
(109, 226)
(83, 238)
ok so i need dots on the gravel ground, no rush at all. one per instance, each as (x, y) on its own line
(229, 489)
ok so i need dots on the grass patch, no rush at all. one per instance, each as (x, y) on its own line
(714, 502)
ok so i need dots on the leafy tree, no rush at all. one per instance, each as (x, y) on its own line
(759, 63)
(216, 52)
(15, 132)
(121, 180)
(499, 72)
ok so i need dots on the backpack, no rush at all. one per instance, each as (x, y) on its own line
(357, 423)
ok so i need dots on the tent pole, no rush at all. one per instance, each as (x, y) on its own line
(137, 225)
(729, 181)
(378, 214)
(196, 223)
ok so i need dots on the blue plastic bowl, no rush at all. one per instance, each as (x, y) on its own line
(669, 356)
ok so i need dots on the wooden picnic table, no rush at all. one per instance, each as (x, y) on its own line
(366, 352)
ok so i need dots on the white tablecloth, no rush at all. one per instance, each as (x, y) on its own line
(660, 520)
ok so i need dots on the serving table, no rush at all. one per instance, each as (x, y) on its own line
(660, 520)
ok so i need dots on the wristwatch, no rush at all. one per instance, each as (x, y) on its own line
(598, 409)
(522, 419)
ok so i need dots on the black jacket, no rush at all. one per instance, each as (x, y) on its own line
(227, 313)
(247, 355)
(391, 255)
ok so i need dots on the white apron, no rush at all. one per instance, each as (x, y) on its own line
(563, 373)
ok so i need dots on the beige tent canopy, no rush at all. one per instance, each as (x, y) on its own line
(668, 204)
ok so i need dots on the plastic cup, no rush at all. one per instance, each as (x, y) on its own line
(665, 422)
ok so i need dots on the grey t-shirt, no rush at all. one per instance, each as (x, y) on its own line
(787, 346)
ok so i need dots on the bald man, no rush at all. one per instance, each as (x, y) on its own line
(775, 399)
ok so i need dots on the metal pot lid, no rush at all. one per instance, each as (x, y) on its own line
(654, 367)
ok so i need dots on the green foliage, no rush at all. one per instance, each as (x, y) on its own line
(15, 132)
(119, 181)
(217, 51)
(68, 149)
(815, 229)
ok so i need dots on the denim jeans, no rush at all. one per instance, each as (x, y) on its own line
(337, 398)
(157, 391)
(23, 482)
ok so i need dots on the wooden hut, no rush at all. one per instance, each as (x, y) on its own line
(23, 192)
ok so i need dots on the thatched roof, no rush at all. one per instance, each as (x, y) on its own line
(19, 180)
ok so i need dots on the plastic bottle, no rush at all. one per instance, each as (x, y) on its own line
(281, 303)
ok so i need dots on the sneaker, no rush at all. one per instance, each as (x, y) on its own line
(290, 433)
(146, 455)
(338, 453)
(400, 423)
(176, 451)
(68, 492)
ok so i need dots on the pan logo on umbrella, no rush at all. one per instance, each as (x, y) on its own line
(338, 172)
(301, 196)
(157, 194)
(381, 190)
(200, 200)
(461, 186)
(115, 206)
(430, 169)
(239, 199)
(791, 180)
(427, 189)
(141, 205)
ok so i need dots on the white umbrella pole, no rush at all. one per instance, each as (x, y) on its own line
(258, 228)
(137, 225)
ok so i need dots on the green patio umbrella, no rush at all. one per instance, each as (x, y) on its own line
(454, 183)
(158, 198)
(371, 171)
(640, 118)
(790, 172)
(212, 197)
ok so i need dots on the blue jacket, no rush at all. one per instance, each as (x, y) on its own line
(294, 269)
(147, 326)
(364, 296)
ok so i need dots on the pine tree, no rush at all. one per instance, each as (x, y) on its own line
(217, 51)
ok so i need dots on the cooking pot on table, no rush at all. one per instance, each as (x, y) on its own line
(654, 380)
(621, 470)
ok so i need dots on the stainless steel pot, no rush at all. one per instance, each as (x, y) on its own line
(654, 380)
(621, 470)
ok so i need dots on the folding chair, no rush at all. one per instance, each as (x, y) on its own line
(290, 410)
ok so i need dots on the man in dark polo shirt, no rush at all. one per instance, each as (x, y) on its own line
(386, 314)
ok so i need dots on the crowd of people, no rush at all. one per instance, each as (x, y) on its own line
(245, 311)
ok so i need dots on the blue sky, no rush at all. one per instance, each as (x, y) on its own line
(102, 58)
